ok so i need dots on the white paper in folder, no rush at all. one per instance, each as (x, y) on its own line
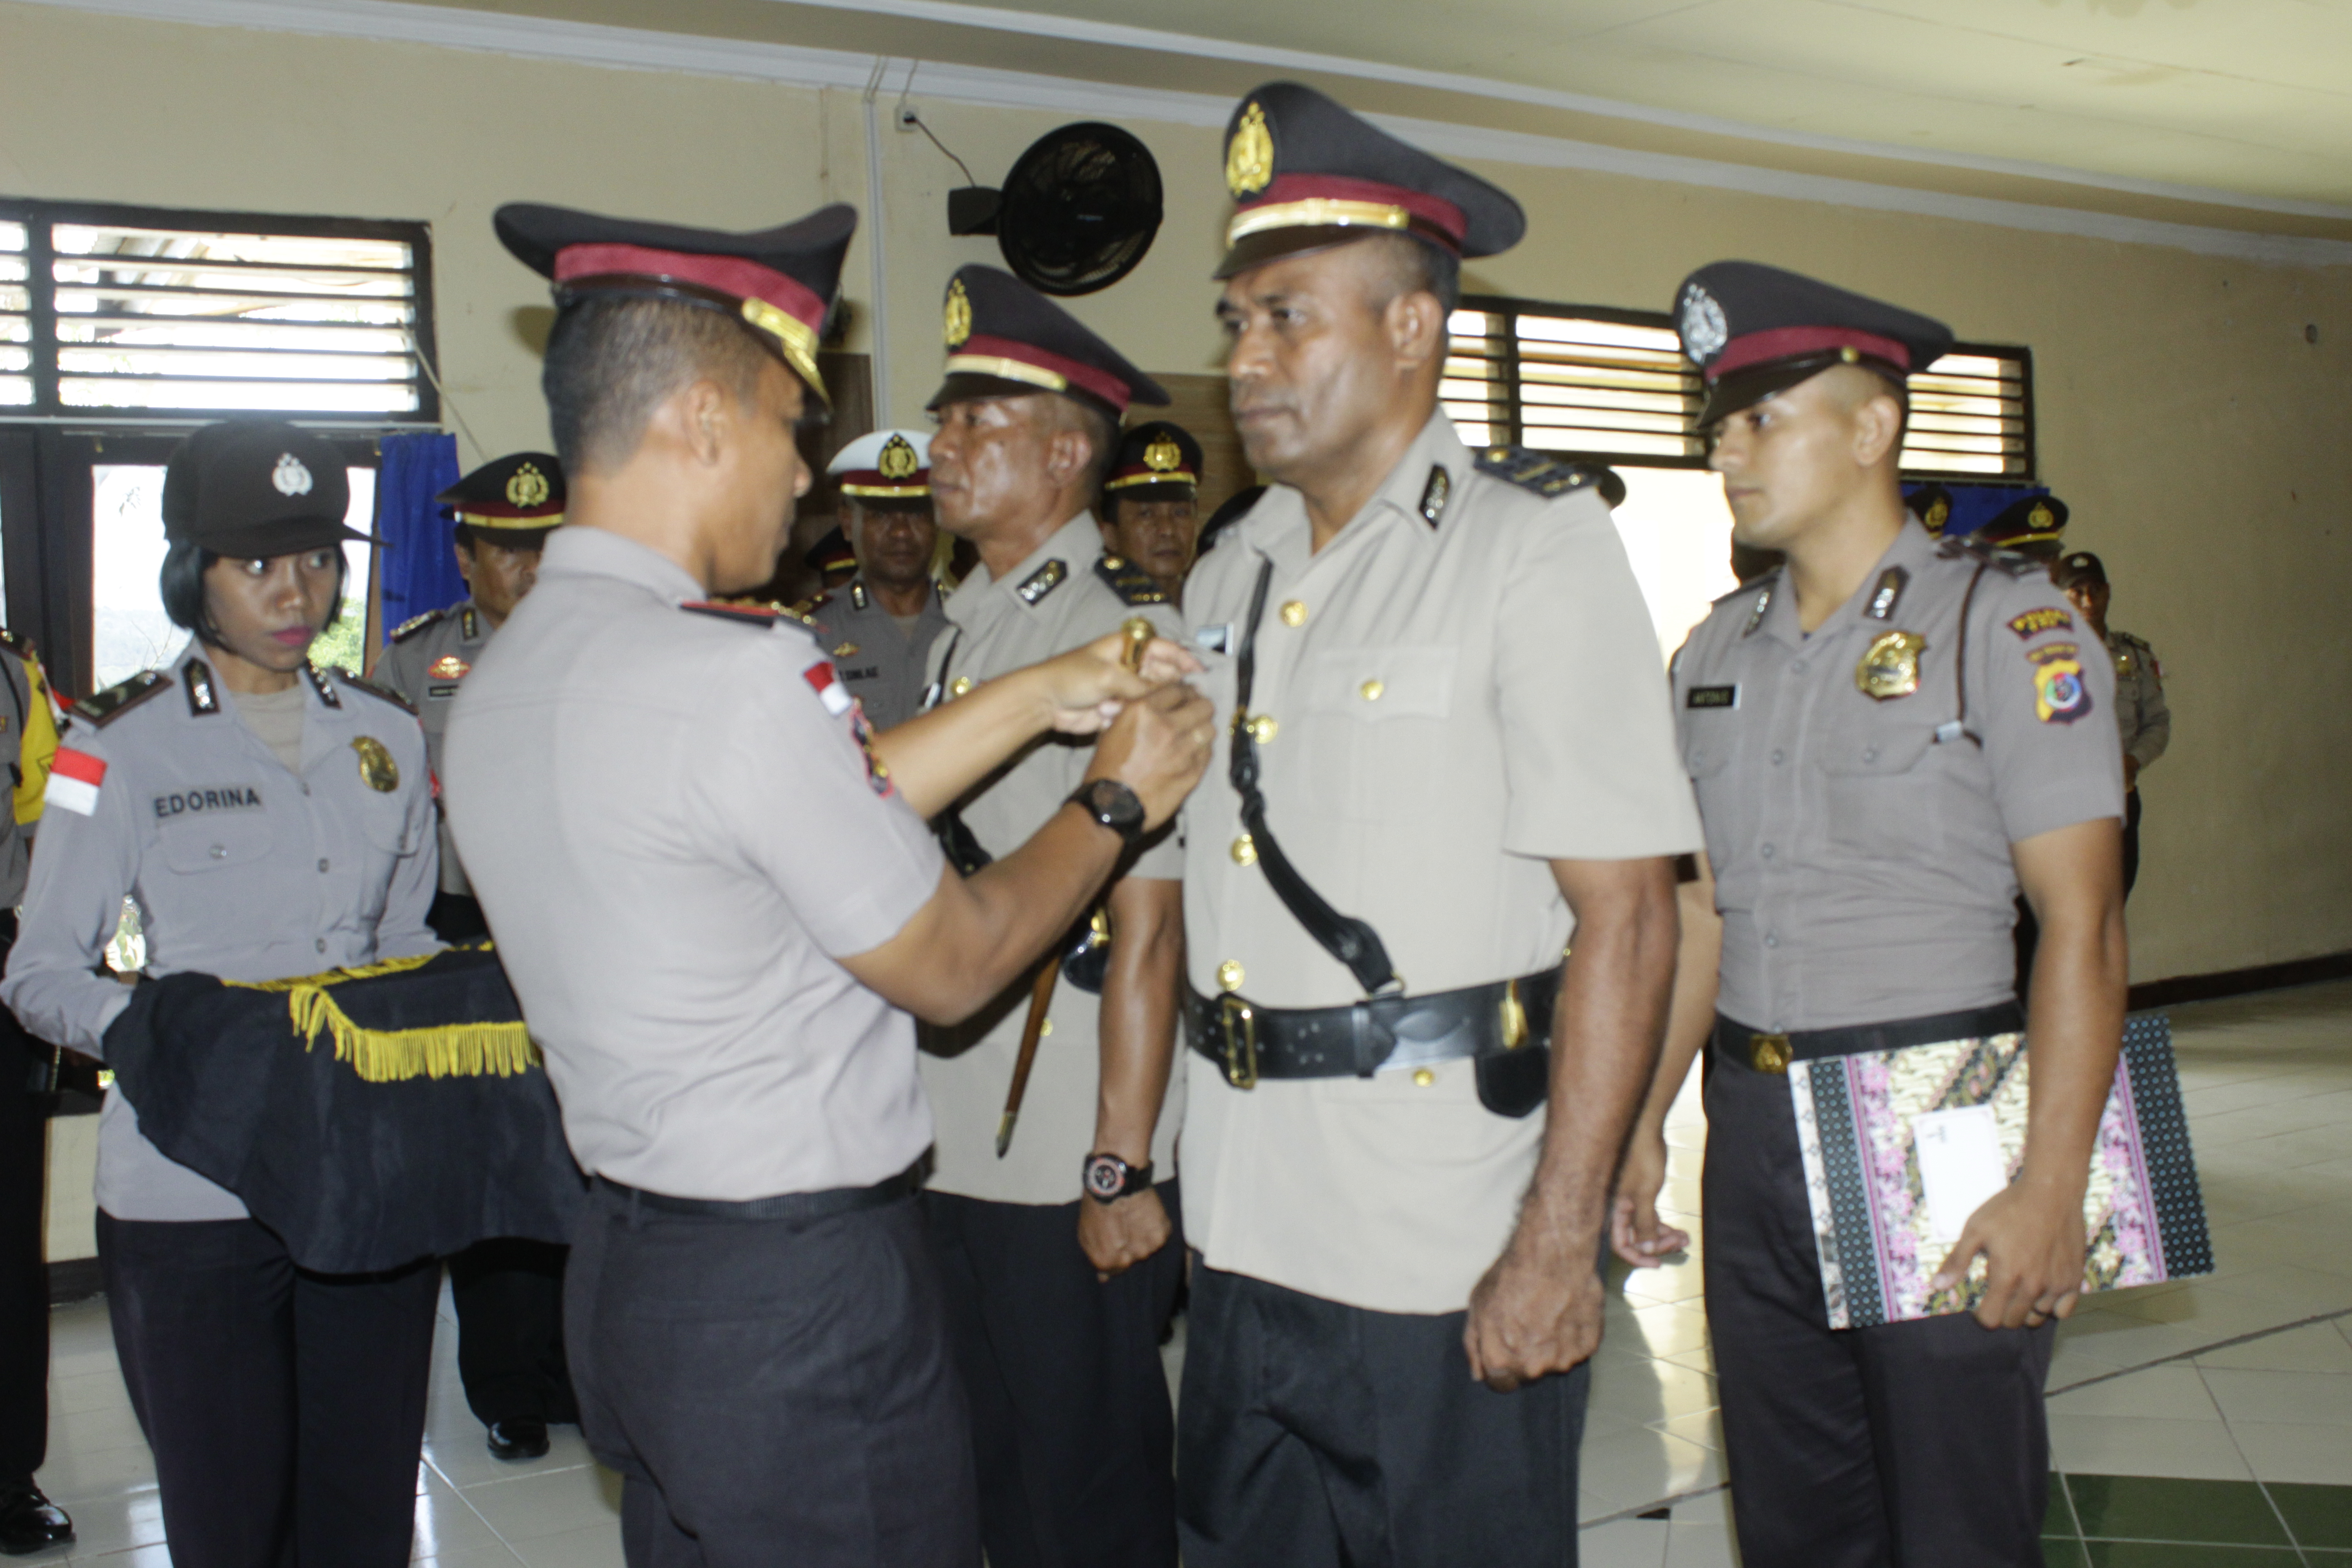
(1960, 1165)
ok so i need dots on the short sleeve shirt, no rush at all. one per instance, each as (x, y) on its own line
(1452, 704)
(1860, 800)
(881, 666)
(675, 832)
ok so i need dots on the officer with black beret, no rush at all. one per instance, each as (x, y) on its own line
(1151, 513)
(1889, 736)
(274, 820)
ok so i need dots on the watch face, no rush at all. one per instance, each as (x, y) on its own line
(1116, 804)
(1106, 1177)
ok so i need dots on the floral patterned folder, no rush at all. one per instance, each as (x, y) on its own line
(1900, 1146)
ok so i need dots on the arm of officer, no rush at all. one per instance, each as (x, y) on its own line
(2032, 1232)
(1634, 1230)
(88, 859)
(1138, 1048)
(402, 930)
(1538, 1309)
(935, 757)
(974, 937)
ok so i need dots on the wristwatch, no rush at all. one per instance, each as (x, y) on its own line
(1110, 1178)
(1114, 806)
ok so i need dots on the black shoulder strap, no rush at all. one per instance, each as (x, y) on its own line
(1344, 937)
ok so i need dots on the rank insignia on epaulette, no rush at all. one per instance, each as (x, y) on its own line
(1434, 493)
(1545, 476)
(470, 624)
(1756, 615)
(20, 646)
(857, 597)
(1043, 580)
(102, 708)
(326, 688)
(740, 614)
(1132, 582)
(381, 694)
(416, 623)
(1887, 595)
(202, 698)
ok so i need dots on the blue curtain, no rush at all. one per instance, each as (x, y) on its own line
(420, 571)
(1973, 506)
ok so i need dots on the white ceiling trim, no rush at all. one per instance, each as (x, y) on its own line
(630, 48)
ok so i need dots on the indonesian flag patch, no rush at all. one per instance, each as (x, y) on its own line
(74, 778)
(828, 686)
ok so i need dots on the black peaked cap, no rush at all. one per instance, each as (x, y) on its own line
(1157, 460)
(2026, 522)
(1754, 329)
(1006, 340)
(521, 492)
(253, 488)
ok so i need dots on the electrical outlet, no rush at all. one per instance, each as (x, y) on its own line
(906, 119)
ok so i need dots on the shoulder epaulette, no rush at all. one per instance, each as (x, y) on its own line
(1756, 584)
(808, 607)
(410, 628)
(21, 646)
(742, 615)
(2014, 562)
(1132, 582)
(383, 693)
(1538, 472)
(103, 707)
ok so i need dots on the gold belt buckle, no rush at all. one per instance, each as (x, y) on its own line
(1770, 1053)
(1241, 1047)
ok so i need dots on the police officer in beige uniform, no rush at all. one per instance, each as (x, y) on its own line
(1150, 511)
(880, 625)
(1450, 751)
(2143, 719)
(1070, 1412)
(1889, 736)
(714, 889)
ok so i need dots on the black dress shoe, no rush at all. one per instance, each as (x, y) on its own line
(518, 1440)
(30, 1522)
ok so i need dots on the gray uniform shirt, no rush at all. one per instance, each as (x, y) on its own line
(241, 868)
(672, 825)
(1862, 864)
(882, 666)
(426, 663)
(1049, 604)
(2142, 718)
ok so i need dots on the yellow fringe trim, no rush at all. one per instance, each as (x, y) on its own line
(394, 1056)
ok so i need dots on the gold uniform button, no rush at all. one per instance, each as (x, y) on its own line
(1263, 729)
(1293, 614)
(962, 684)
(1230, 976)
(1372, 689)
(1422, 1078)
(1244, 851)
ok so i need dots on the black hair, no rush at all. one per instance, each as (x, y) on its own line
(1102, 430)
(181, 583)
(612, 359)
(1422, 266)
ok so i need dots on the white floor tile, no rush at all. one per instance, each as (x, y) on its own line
(1700, 1540)
(2162, 1393)
(2298, 1398)
(2320, 1455)
(595, 1546)
(1624, 1544)
(2133, 1446)
(537, 1505)
(1639, 1468)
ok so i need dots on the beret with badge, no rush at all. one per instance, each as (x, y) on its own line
(1006, 340)
(515, 500)
(1754, 331)
(253, 488)
(1158, 461)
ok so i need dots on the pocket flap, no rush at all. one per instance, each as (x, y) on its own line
(1378, 683)
(1877, 752)
(211, 843)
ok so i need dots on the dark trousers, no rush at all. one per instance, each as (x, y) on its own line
(770, 1391)
(1918, 1444)
(509, 1293)
(286, 1410)
(24, 1274)
(1313, 1435)
(2131, 841)
(1071, 1427)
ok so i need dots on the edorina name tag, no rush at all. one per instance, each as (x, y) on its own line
(1712, 697)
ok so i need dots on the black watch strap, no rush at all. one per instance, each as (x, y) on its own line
(1114, 806)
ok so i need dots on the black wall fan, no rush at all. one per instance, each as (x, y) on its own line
(1080, 209)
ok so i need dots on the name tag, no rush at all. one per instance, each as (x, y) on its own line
(441, 693)
(231, 797)
(1712, 697)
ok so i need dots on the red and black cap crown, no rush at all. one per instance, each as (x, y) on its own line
(1306, 174)
(1006, 340)
(1754, 331)
(252, 489)
(1156, 461)
(520, 493)
(2034, 525)
(779, 282)
(830, 554)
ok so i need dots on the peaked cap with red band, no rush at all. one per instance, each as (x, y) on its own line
(1157, 460)
(1754, 331)
(1306, 174)
(779, 282)
(1006, 340)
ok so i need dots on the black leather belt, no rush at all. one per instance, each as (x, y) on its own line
(1771, 1052)
(1248, 1042)
(804, 1207)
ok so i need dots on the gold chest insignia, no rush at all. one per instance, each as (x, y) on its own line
(377, 770)
(1890, 666)
(958, 324)
(898, 460)
(1163, 456)
(448, 667)
(527, 487)
(1249, 156)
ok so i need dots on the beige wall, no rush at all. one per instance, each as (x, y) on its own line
(2196, 433)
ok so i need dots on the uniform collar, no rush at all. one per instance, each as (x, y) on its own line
(1075, 544)
(588, 552)
(1274, 522)
(1913, 552)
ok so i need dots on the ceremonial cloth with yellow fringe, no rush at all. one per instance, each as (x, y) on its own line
(370, 1117)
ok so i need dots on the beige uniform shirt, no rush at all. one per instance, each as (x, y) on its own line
(1862, 859)
(1050, 604)
(674, 829)
(2143, 717)
(1452, 706)
(427, 659)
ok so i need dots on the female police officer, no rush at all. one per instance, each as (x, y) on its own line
(271, 821)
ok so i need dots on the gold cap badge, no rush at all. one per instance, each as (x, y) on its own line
(2041, 517)
(958, 315)
(377, 770)
(1163, 456)
(1249, 156)
(527, 486)
(898, 460)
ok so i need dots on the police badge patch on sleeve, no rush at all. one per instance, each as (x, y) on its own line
(2059, 695)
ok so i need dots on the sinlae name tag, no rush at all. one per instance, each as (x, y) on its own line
(1712, 697)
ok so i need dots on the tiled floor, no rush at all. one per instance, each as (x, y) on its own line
(2241, 1381)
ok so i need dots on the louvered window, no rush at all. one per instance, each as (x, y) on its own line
(1613, 386)
(162, 313)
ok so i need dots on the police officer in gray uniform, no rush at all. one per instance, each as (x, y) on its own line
(1889, 736)
(271, 821)
(714, 906)
(2142, 717)
(880, 625)
(1070, 1412)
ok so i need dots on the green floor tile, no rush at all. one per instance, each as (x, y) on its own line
(2327, 1559)
(2058, 1519)
(2148, 1507)
(2179, 1554)
(2319, 1516)
(2063, 1553)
